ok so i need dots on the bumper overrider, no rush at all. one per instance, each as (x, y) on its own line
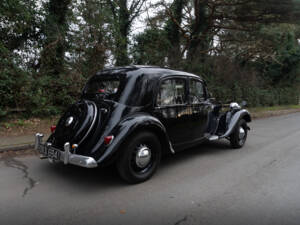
(67, 156)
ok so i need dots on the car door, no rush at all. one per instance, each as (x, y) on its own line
(200, 109)
(172, 108)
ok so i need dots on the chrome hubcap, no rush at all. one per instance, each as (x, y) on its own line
(242, 133)
(143, 156)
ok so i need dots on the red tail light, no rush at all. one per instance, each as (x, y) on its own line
(52, 128)
(108, 139)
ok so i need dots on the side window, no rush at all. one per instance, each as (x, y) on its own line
(172, 92)
(197, 93)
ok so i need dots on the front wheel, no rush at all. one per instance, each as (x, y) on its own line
(140, 158)
(239, 135)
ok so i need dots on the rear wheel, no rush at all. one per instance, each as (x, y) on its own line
(140, 158)
(239, 135)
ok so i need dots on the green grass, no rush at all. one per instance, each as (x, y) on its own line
(273, 108)
(21, 126)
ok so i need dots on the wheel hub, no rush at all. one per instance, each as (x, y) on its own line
(143, 156)
(241, 133)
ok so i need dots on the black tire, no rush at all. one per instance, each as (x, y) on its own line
(235, 140)
(126, 164)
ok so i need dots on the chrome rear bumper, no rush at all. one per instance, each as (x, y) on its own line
(46, 150)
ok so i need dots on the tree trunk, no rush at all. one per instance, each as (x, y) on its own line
(199, 41)
(123, 32)
(173, 33)
(55, 29)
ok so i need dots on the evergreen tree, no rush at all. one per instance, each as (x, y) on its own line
(55, 29)
(123, 16)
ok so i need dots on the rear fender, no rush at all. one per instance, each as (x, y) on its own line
(242, 114)
(128, 127)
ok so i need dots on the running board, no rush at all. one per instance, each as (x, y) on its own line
(43, 157)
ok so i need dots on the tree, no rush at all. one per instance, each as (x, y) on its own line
(19, 27)
(280, 65)
(151, 47)
(54, 43)
(19, 22)
(89, 40)
(123, 16)
(205, 20)
(172, 29)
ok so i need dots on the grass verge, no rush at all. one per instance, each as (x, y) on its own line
(17, 127)
(263, 112)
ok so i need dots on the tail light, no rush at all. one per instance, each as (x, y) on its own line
(108, 139)
(52, 128)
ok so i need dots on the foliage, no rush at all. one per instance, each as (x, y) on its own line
(282, 65)
(230, 81)
(151, 47)
(124, 12)
(50, 97)
(18, 21)
(244, 49)
(54, 43)
(13, 88)
(90, 40)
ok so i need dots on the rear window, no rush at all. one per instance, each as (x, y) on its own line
(127, 90)
(108, 87)
(102, 86)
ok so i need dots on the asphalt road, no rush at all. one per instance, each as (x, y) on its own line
(210, 184)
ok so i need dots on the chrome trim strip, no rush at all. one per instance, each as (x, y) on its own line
(213, 138)
(65, 156)
(171, 148)
(92, 125)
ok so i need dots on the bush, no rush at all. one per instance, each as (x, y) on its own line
(228, 81)
(52, 96)
(14, 82)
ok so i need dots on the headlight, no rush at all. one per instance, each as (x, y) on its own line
(234, 105)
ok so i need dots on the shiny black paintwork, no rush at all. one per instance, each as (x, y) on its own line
(84, 113)
(178, 127)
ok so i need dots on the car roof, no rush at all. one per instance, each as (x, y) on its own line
(144, 70)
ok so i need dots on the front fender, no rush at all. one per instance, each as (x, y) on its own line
(128, 126)
(242, 114)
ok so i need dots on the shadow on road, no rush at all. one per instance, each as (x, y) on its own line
(102, 178)
(208, 148)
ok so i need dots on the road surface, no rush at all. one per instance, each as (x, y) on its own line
(209, 184)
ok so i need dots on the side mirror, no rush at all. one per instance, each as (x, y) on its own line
(243, 103)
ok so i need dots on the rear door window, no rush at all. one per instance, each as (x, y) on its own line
(196, 92)
(172, 92)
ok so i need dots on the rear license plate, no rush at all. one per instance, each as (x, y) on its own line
(50, 152)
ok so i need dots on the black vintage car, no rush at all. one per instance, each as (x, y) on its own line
(132, 115)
